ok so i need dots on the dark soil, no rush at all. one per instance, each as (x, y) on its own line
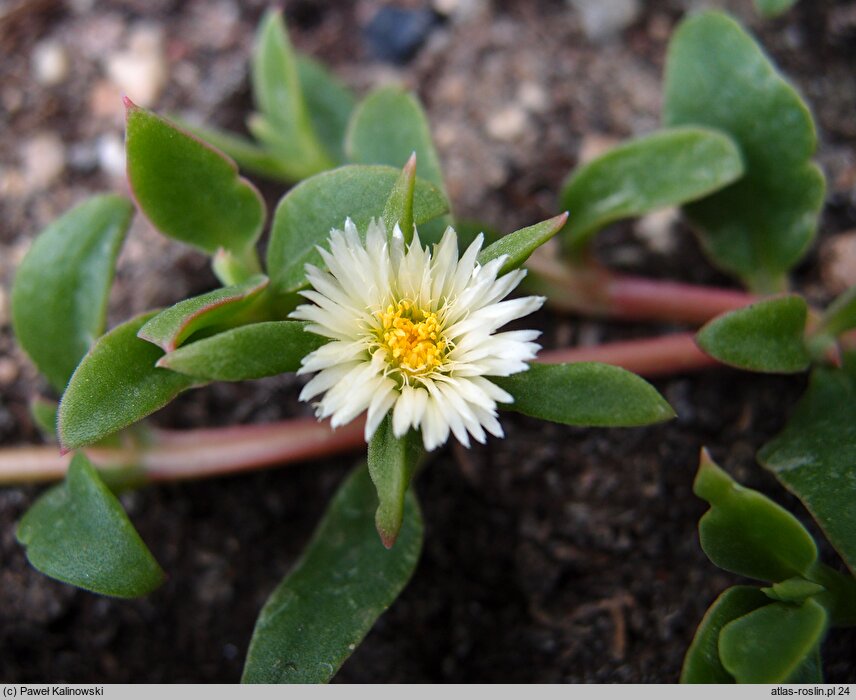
(557, 554)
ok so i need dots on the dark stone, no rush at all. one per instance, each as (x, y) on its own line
(395, 34)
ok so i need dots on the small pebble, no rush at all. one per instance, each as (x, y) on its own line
(593, 146)
(509, 124)
(140, 71)
(50, 63)
(657, 230)
(111, 155)
(604, 19)
(8, 371)
(838, 262)
(43, 160)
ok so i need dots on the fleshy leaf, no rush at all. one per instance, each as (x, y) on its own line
(768, 645)
(329, 104)
(59, 298)
(44, 412)
(717, 76)
(189, 190)
(768, 336)
(399, 206)
(840, 316)
(171, 327)
(391, 462)
(793, 590)
(773, 8)
(344, 581)
(305, 216)
(585, 394)
(116, 385)
(249, 352)
(78, 533)
(664, 169)
(287, 128)
(385, 129)
(248, 155)
(814, 457)
(519, 245)
(746, 533)
(702, 663)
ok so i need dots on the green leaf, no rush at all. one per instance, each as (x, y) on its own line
(717, 76)
(840, 316)
(585, 394)
(702, 663)
(814, 457)
(399, 206)
(768, 336)
(329, 104)
(391, 463)
(43, 412)
(519, 245)
(386, 128)
(746, 533)
(772, 8)
(344, 581)
(189, 190)
(59, 298)
(248, 352)
(664, 169)
(285, 123)
(309, 211)
(793, 590)
(78, 533)
(116, 385)
(245, 153)
(171, 327)
(768, 645)
(810, 670)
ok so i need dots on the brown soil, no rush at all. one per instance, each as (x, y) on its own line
(557, 554)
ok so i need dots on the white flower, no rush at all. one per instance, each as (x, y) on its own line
(413, 332)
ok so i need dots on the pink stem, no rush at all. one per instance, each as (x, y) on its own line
(650, 357)
(593, 290)
(193, 454)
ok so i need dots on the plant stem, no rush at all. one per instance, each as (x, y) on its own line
(595, 291)
(650, 357)
(173, 455)
(193, 454)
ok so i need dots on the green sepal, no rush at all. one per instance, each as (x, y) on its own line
(519, 245)
(78, 533)
(793, 590)
(398, 209)
(391, 463)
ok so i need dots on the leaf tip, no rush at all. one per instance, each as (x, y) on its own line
(129, 104)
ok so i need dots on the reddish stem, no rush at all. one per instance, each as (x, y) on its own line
(193, 454)
(593, 290)
(650, 357)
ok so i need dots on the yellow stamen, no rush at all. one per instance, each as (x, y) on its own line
(412, 337)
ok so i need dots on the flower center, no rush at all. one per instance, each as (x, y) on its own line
(412, 337)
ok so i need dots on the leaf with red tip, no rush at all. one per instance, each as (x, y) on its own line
(171, 327)
(189, 190)
(519, 245)
(392, 461)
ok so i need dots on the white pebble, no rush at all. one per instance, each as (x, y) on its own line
(43, 160)
(508, 124)
(603, 19)
(140, 71)
(50, 63)
(111, 155)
